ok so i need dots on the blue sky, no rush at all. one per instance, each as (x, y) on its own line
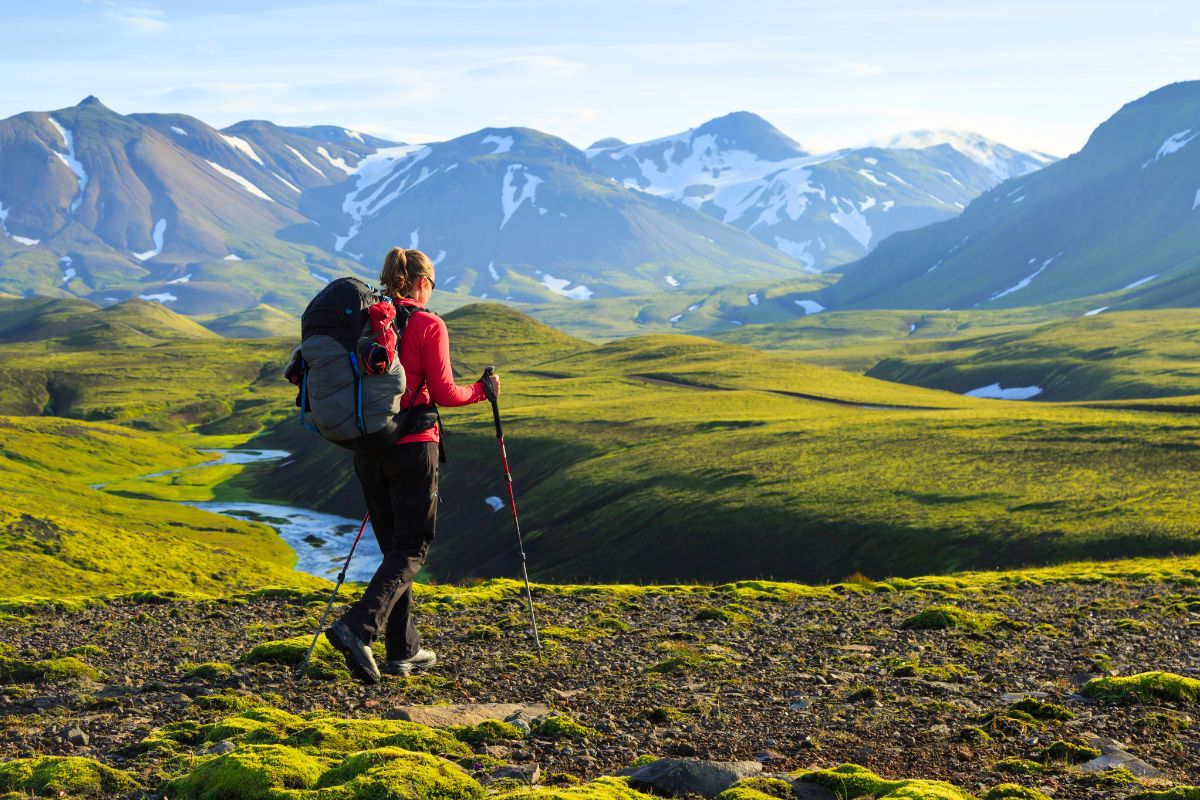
(1038, 75)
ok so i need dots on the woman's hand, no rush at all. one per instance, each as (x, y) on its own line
(491, 384)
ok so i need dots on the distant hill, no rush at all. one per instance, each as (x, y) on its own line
(1119, 220)
(79, 322)
(261, 322)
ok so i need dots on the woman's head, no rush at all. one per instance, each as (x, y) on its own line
(402, 273)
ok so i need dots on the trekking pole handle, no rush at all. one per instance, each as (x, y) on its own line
(489, 390)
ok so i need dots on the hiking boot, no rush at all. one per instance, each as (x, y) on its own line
(359, 657)
(424, 659)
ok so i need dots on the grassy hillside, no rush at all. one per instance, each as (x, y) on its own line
(678, 458)
(260, 322)
(60, 533)
(1115, 355)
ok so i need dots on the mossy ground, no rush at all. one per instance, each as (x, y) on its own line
(820, 645)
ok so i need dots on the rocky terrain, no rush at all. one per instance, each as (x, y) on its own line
(975, 684)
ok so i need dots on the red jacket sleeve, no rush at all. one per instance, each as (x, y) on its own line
(435, 359)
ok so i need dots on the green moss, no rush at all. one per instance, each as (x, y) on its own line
(561, 727)
(851, 781)
(953, 617)
(56, 776)
(1166, 722)
(325, 664)
(759, 789)
(1012, 790)
(1174, 793)
(484, 633)
(1022, 766)
(664, 715)
(1146, 687)
(1073, 752)
(251, 772)
(392, 772)
(973, 735)
(1039, 709)
(208, 671)
(228, 701)
(913, 668)
(685, 658)
(1113, 777)
(726, 614)
(599, 789)
(643, 759)
(487, 732)
(16, 670)
(87, 650)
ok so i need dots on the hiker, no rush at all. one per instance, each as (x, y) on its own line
(400, 484)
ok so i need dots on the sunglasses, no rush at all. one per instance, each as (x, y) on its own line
(432, 283)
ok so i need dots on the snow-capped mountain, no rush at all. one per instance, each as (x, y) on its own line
(511, 212)
(1121, 216)
(823, 209)
(107, 207)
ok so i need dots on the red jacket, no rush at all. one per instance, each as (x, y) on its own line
(425, 356)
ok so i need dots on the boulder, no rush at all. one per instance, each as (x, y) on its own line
(469, 713)
(683, 776)
(1114, 756)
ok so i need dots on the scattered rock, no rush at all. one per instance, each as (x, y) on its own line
(75, 735)
(469, 713)
(526, 773)
(221, 748)
(1113, 756)
(678, 777)
(1008, 698)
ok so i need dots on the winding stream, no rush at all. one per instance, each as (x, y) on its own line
(321, 541)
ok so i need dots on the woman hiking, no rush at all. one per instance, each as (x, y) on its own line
(400, 485)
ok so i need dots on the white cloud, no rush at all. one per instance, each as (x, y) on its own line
(522, 68)
(137, 19)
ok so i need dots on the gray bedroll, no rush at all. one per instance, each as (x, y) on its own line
(333, 394)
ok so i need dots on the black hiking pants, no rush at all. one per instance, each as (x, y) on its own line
(401, 490)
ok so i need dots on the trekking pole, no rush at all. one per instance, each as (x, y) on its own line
(341, 578)
(512, 501)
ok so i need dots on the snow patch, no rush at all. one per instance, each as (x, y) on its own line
(1095, 311)
(935, 266)
(1174, 143)
(994, 392)
(1019, 199)
(912, 326)
(670, 279)
(1024, 281)
(161, 297)
(391, 168)
(25, 240)
(241, 145)
(753, 298)
(286, 182)
(439, 258)
(179, 130)
(865, 204)
(899, 180)
(559, 287)
(240, 181)
(304, 160)
(414, 239)
(886, 205)
(676, 318)
(798, 251)
(854, 224)
(69, 159)
(510, 201)
(871, 177)
(810, 306)
(872, 161)
(492, 270)
(693, 307)
(160, 228)
(495, 502)
(319, 277)
(232, 257)
(353, 134)
(503, 143)
(68, 270)
(1138, 283)
(340, 163)
(1196, 202)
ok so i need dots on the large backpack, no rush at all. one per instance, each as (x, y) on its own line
(339, 397)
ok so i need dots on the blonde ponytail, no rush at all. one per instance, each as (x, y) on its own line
(403, 270)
